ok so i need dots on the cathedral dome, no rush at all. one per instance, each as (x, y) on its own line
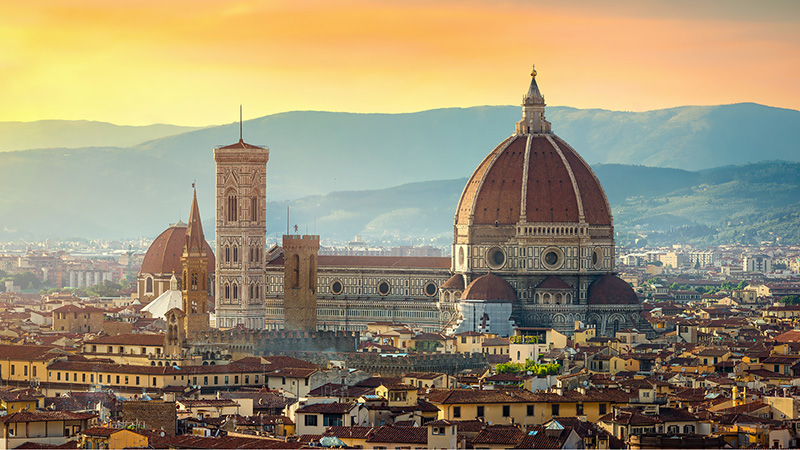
(490, 288)
(164, 254)
(533, 177)
(611, 290)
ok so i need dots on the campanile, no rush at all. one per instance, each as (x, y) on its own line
(240, 234)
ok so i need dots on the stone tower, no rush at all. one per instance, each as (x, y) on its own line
(194, 266)
(241, 232)
(300, 282)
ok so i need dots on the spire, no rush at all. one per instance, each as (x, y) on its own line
(533, 121)
(194, 230)
(534, 96)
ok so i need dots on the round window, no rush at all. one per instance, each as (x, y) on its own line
(552, 258)
(430, 289)
(336, 287)
(597, 257)
(383, 288)
(495, 257)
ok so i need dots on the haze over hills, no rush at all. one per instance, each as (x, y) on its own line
(322, 161)
(79, 133)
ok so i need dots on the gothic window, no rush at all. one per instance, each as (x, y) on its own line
(258, 291)
(235, 289)
(235, 253)
(252, 290)
(232, 208)
(227, 254)
(254, 207)
(296, 271)
(252, 254)
(227, 291)
(194, 281)
(148, 285)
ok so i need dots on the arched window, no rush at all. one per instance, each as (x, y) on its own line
(232, 211)
(258, 291)
(235, 291)
(194, 281)
(252, 290)
(296, 271)
(227, 291)
(227, 254)
(252, 254)
(254, 207)
(235, 253)
(148, 285)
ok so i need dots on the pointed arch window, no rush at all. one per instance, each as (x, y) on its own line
(227, 254)
(227, 291)
(252, 290)
(194, 281)
(235, 289)
(232, 208)
(235, 253)
(254, 207)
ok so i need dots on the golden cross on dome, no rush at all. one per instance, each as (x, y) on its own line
(533, 71)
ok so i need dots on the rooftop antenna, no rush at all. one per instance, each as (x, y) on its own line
(287, 220)
(240, 124)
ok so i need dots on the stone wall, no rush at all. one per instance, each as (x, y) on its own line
(153, 415)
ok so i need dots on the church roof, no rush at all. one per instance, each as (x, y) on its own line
(164, 254)
(611, 290)
(553, 282)
(240, 145)
(454, 282)
(171, 298)
(490, 288)
(194, 230)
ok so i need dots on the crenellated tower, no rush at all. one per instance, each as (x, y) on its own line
(300, 282)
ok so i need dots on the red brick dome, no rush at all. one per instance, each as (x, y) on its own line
(611, 290)
(164, 254)
(490, 288)
(558, 185)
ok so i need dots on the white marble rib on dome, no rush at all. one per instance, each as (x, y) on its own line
(172, 298)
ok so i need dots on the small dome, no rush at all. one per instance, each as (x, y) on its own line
(164, 254)
(455, 282)
(490, 288)
(553, 282)
(611, 290)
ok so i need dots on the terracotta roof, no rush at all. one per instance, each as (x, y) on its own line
(164, 254)
(80, 309)
(499, 434)
(29, 352)
(494, 193)
(348, 432)
(327, 408)
(489, 287)
(385, 261)
(225, 442)
(156, 340)
(537, 437)
(611, 290)
(553, 282)
(409, 435)
(454, 282)
(44, 416)
(241, 145)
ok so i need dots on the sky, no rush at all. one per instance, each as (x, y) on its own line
(193, 62)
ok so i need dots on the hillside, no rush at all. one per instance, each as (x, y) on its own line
(79, 133)
(124, 191)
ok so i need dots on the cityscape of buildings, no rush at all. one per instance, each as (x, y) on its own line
(534, 330)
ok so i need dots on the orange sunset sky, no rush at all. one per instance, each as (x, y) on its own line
(192, 62)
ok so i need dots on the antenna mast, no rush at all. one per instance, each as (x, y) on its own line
(240, 123)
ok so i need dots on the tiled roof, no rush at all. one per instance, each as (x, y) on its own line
(327, 408)
(400, 435)
(44, 416)
(348, 432)
(226, 442)
(537, 437)
(153, 340)
(79, 309)
(499, 434)
(29, 352)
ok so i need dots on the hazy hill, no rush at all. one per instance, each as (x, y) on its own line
(111, 191)
(79, 133)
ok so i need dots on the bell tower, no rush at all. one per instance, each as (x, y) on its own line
(194, 268)
(300, 282)
(240, 234)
